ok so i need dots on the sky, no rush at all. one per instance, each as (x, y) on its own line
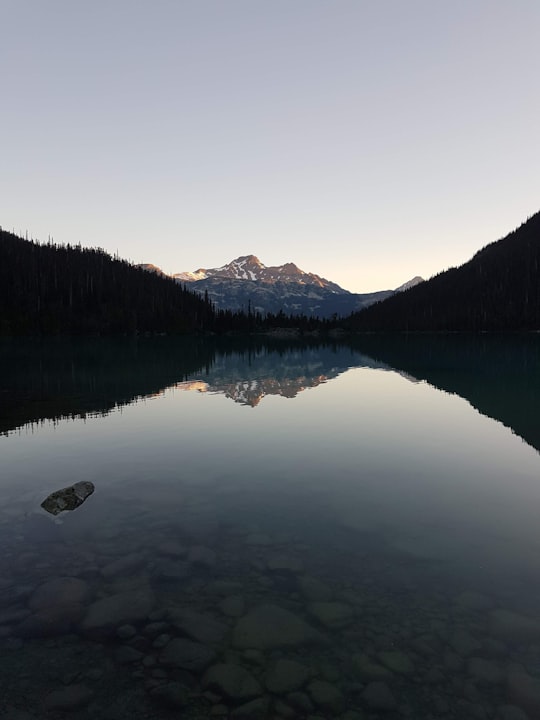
(367, 142)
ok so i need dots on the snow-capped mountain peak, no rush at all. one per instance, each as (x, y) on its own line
(249, 267)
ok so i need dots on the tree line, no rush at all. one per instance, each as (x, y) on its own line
(49, 289)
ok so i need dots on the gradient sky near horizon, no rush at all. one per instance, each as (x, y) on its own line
(367, 142)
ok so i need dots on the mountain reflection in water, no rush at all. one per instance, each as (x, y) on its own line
(55, 379)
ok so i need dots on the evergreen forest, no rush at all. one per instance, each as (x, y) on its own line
(48, 289)
(497, 290)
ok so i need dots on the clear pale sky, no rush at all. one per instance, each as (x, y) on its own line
(366, 141)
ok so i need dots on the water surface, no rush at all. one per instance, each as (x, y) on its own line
(333, 530)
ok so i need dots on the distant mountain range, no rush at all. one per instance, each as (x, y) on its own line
(48, 289)
(246, 283)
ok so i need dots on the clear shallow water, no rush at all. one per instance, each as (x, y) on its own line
(345, 531)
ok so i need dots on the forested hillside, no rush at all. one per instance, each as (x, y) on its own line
(498, 289)
(50, 289)
(66, 290)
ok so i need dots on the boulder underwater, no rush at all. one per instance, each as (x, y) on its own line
(68, 498)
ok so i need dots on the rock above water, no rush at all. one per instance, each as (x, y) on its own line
(59, 591)
(107, 614)
(286, 676)
(187, 655)
(197, 626)
(68, 498)
(232, 681)
(333, 615)
(270, 626)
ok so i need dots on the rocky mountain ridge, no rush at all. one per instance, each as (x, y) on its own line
(246, 283)
(249, 267)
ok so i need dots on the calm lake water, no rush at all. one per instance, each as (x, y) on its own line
(277, 530)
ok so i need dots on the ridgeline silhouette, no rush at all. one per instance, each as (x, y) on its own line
(497, 290)
(61, 290)
(48, 289)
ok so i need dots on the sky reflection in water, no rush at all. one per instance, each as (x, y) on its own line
(378, 483)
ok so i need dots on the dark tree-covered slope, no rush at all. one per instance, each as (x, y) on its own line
(49, 289)
(498, 289)
(66, 290)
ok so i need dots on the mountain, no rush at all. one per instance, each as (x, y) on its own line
(497, 290)
(246, 283)
(249, 267)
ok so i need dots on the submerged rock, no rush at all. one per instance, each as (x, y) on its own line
(68, 498)
(284, 563)
(286, 676)
(514, 627)
(59, 591)
(202, 556)
(396, 661)
(327, 696)
(231, 681)
(524, 691)
(172, 695)
(484, 671)
(109, 613)
(197, 626)
(69, 698)
(253, 710)
(333, 615)
(233, 606)
(368, 669)
(378, 696)
(187, 655)
(314, 589)
(270, 626)
(50, 621)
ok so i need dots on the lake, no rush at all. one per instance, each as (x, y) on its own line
(270, 528)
